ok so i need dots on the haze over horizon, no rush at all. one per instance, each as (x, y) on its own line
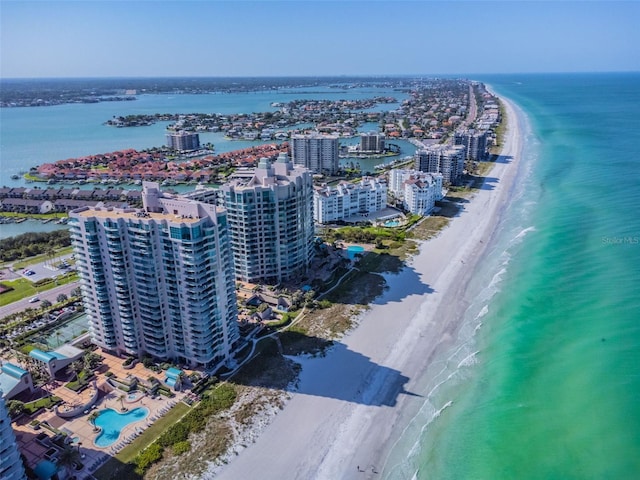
(314, 38)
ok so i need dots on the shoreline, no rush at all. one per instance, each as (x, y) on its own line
(367, 386)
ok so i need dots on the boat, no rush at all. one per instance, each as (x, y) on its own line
(15, 177)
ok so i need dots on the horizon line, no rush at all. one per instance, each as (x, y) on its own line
(333, 76)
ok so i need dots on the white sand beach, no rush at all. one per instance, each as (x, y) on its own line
(351, 404)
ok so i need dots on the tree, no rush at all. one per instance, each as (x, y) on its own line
(68, 457)
(45, 304)
(91, 360)
(308, 297)
(61, 298)
(77, 367)
(92, 419)
(76, 292)
(15, 408)
(51, 254)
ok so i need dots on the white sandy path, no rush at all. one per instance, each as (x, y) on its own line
(350, 402)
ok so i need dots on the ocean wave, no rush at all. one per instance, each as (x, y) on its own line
(469, 360)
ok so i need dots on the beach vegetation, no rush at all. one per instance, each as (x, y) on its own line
(500, 130)
(181, 447)
(176, 436)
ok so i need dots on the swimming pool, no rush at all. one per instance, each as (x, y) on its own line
(352, 250)
(113, 422)
(392, 223)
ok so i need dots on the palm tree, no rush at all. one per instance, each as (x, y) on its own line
(121, 398)
(92, 419)
(77, 367)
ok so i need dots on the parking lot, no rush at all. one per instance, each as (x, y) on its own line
(46, 269)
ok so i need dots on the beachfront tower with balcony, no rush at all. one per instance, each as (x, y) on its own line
(445, 159)
(158, 280)
(270, 216)
(11, 467)
(318, 153)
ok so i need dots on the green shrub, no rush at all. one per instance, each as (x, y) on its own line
(42, 281)
(181, 447)
(324, 304)
(147, 457)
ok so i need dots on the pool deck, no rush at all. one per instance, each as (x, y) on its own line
(80, 426)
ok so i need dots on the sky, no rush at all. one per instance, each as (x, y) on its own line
(311, 38)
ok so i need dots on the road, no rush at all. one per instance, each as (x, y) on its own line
(473, 108)
(50, 295)
(41, 270)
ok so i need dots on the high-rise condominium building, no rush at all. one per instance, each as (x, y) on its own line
(372, 142)
(271, 221)
(183, 141)
(419, 191)
(318, 153)
(445, 159)
(158, 280)
(11, 467)
(475, 142)
(349, 200)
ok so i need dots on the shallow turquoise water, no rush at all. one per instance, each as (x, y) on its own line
(552, 391)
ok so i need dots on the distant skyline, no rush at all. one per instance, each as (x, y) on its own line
(314, 38)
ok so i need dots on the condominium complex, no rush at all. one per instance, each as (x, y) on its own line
(158, 280)
(11, 467)
(372, 142)
(419, 191)
(475, 142)
(318, 153)
(445, 159)
(271, 221)
(349, 200)
(183, 141)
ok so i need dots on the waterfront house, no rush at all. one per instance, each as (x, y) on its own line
(25, 205)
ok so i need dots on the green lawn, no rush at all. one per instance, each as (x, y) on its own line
(127, 454)
(23, 288)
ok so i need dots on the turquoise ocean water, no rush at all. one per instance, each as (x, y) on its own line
(544, 379)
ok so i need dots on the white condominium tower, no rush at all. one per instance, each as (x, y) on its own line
(419, 191)
(445, 159)
(11, 467)
(158, 280)
(318, 153)
(349, 200)
(271, 221)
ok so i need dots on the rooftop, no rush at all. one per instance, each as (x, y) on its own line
(132, 214)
